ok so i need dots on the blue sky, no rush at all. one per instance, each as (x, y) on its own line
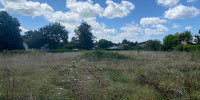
(115, 20)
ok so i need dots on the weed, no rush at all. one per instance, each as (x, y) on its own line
(99, 55)
(9, 82)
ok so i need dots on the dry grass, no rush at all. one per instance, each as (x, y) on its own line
(60, 76)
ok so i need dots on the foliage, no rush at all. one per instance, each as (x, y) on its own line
(197, 39)
(55, 76)
(100, 55)
(84, 36)
(178, 48)
(103, 44)
(14, 51)
(187, 48)
(171, 41)
(153, 45)
(125, 41)
(168, 42)
(10, 37)
(190, 48)
(33, 39)
(62, 50)
(53, 34)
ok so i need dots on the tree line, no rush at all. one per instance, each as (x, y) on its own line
(56, 36)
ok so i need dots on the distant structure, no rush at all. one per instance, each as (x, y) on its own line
(187, 43)
(45, 48)
(142, 44)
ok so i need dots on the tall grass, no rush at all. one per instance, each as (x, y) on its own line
(60, 76)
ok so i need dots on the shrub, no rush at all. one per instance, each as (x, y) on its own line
(190, 48)
(14, 51)
(99, 55)
(62, 50)
(178, 48)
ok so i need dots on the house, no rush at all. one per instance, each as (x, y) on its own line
(142, 44)
(187, 43)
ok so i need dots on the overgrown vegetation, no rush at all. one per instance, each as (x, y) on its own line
(60, 76)
(100, 55)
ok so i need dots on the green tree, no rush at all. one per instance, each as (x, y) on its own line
(33, 39)
(10, 37)
(171, 41)
(199, 31)
(53, 34)
(103, 44)
(125, 41)
(153, 45)
(168, 42)
(84, 36)
(184, 36)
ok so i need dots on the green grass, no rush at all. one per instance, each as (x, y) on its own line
(101, 75)
(100, 55)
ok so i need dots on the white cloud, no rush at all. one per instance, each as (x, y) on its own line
(23, 29)
(168, 3)
(81, 11)
(176, 25)
(152, 21)
(135, 32)
(160, 28)
(115, 10)
(26, 8)
(129, 32)
(181, 12)
(84, 9)
(189, 1)
(188, 27)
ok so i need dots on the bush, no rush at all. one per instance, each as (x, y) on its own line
(99, 55)
(62, 50)
(178, 48)
(153, 45)
(190, 48)
(14, 51)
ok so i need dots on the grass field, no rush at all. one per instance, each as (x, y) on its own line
(79, 76)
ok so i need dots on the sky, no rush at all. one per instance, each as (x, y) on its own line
(114, 20)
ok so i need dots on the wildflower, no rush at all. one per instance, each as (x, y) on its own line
(72, 76)
(101, 68)
(61, 88)
(88, 77)
(59, 93)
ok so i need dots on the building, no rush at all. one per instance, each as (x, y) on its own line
(142, 44)
(187, 43)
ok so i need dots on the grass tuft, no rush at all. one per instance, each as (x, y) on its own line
(100, 55)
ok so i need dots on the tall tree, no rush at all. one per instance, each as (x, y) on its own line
(10, 37)
(171, 41)
(33, 39)
(168, 42)
(53, 34)
(103, 44)
(199, 31)
(125, 41)
(84, 36)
